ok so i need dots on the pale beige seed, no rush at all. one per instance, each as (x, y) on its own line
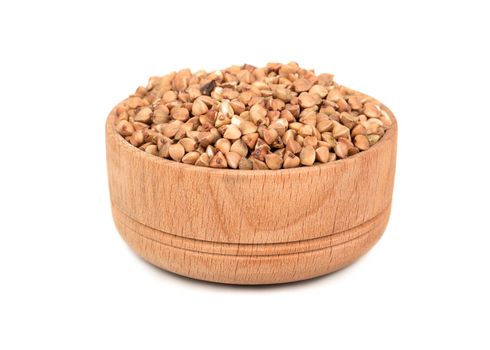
(218, 161)
(168, 130)
(223, 145)
(340, 130)
(307, 155)
(373, 139)
(258, 164)
(334, 95)
(199, 107)
(310, 141)
(250, 139)
(332, 157)
(189, 144)
(164, 150)
(144, 115)
(324, 124)
(211, 151)
(152, 149)
(247, 127)
(371, 110)
(282, 93)
(273, 161)
(240, 147)
(361, 142)
(176, 152)
(225, 109)
(169, 96)
(320, 90)
(191, 157)
(205, 138)
(180, 113)
(125, 128)
(322, 154)
(293, 146)
(245, 164)
(257, 114)
(233, 159)
(270, 135)
(341, 150)
(359, 129)
(232, 132)
(203, 160)
(161, 115)
(301, 85)
(355, 102)
(137, 138)
(290, 160)
(307, 100)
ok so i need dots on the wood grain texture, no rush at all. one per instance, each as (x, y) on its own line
(250, 227)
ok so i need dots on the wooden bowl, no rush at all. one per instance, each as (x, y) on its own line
(255, 226)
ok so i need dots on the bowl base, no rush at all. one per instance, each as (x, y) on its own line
(235, 263)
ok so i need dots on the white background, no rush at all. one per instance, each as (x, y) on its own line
(68, 281)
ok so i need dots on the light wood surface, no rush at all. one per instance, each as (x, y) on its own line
(250, 227)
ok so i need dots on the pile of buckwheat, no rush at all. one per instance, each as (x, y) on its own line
(243, 117)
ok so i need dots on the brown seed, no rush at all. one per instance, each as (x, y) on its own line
(191, 157)
(371, 110)
(361, 142)
(164, 150)
(290, 160)
(181, 114)
(307, 155)
(203, 160)
(218, 161)
(332, 157)
(322, 154)
(176, 152)
(233, 159)
(125, 128)
(199, 107)
(232, 132)
(273, 161)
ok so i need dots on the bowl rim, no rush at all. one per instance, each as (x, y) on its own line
(111, 132)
